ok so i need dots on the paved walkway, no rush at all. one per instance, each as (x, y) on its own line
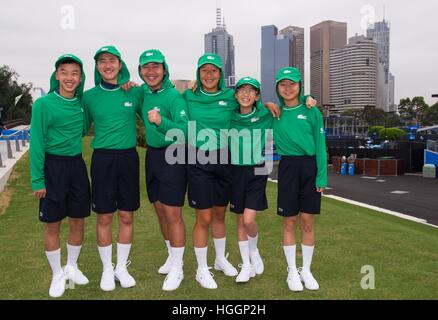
(410, 195)
(8, 164)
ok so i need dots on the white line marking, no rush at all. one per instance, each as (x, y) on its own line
(400, 192)
(392, 213)
(364, 205)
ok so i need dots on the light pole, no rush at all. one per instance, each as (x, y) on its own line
(327, 113)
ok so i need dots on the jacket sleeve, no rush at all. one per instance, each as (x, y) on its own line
(38, 127)
(321, 152)
(178, 117)
(88, 119)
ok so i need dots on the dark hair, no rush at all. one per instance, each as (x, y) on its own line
(68, 61)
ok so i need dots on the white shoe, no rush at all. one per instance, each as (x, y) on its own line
(122, 275)
(226, 267)
(246, 272)
(309, 281)
(107, 282)
(165, 268)
(205, 278)
(75, 275)
(257, 262)
(173, 279)
(57, 286)
(293, 280)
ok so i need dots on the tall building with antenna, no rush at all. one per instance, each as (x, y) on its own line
(380, 32)
(219, 41)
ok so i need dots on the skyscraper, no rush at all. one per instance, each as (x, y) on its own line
(297, 34)
(219, 41)
(278, 51)
(353, 75)
(380, 33)
(324, 37)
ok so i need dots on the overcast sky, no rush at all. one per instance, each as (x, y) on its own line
(34, 33)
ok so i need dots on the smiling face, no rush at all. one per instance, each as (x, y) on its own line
(209, 76)
(153, 74)
(289, 90)
(69, 76)
(247, 95)
(109, 67)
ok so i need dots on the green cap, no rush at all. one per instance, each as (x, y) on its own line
(124, 74)
(108, 49)
(152, 55)
(214, 59)
(210, 58)
(248, 80)
(54, 84)
(293, 74)
(288, 73)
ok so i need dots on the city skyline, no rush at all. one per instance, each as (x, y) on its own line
(32, 42)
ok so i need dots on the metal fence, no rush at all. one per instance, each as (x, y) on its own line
(432, 145)
(20, 136)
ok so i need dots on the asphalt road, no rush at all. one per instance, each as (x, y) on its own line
(412, 195)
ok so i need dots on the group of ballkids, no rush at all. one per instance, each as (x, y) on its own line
(60, 179)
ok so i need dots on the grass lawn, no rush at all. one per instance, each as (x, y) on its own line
(404, 254)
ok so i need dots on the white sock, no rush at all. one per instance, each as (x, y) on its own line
(106, 256)
(307, 256)
(177, 255)
(253, 243)
(201, 257)
(219, 246)
(54, 258)
(290, 253)
(122, 255)
(244, 251)
(168, 246)
(73, 255)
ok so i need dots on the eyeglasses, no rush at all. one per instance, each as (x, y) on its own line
(250, 92)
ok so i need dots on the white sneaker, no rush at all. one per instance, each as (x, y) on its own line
(257, 262)
(57, 286)
(309, 281)
(165, 268)
(226, 267)
(122, 275)
(173, 279)
(107, 282)
(246, 272)
(75, 275)
(293, 280)
(205, 278)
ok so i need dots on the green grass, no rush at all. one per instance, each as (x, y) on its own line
(404, 254)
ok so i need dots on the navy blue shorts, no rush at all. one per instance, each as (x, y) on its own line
(165, 182)
(297, 186)
(67, 187)
(209, 184)
(115, 180)
(248, 190)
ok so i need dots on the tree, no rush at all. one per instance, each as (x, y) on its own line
(9, 90)
(412, 111)
(430, 117)
(391, 134)
(373, 131)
